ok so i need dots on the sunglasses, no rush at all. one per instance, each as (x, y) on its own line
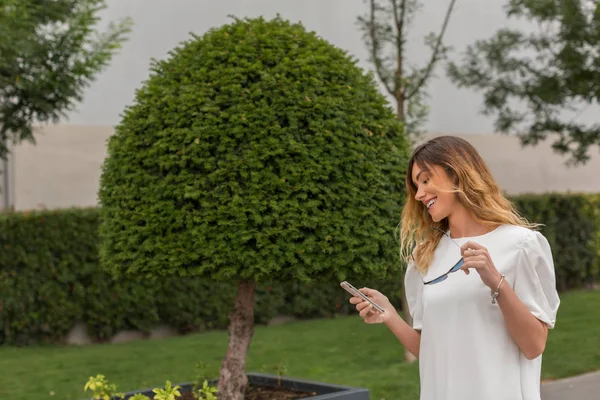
(454, 268)
(441, 278)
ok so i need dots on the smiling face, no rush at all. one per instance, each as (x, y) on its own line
(448, 174)
(434, 190)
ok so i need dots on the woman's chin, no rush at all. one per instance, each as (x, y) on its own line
(436, 217)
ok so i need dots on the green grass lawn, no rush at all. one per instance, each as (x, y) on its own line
(342, 350)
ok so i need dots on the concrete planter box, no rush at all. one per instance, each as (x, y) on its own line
(324, 391)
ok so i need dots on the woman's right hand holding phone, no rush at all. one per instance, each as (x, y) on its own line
(369, 313)
(409, 337)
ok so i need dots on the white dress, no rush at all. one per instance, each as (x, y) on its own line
(466, 350)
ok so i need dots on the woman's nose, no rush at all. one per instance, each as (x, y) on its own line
(419, 195)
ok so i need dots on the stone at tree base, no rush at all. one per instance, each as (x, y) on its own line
(128, 336)
(282, 319)
(78, 335)
(163, 332)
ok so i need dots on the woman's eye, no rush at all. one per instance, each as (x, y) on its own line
(425, 181)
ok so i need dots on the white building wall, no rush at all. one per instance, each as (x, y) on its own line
(64, 168)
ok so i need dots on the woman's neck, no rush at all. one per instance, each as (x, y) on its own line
(462, 224)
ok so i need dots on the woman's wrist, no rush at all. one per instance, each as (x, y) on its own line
(389, 316)
(493, 284)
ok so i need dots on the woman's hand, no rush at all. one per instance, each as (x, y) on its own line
(369, 313)
(477, 257)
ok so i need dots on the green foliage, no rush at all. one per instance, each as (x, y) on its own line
(45, 260)
(207, 392)
(101, 388)
(202, 376)
(168, 393)
(529, 79)
(572, 227)
(139, 396)
(591, 209)
(50, 53)
(50, 278)
(257, 151)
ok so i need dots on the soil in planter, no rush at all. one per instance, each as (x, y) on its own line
(274, 393)
(264, 393)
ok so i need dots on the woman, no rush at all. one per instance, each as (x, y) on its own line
(480, 281)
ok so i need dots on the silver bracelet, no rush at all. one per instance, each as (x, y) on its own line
(497, 292)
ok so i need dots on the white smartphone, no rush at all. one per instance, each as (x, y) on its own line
(355, 292)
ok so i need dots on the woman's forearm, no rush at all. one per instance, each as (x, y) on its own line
(409, 337)
(528, 332)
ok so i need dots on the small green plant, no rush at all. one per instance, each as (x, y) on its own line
(139, 396)
(279, 368)
(168, 393)
(207, 392)
(202, 375)
(201, 387)
(102, 389)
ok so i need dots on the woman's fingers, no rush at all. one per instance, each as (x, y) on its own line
(472, 249)
(356, 300)
(366, 310)
(473, 262)
(368, 292)
(360, 303)
(471, 245)
(363, 305)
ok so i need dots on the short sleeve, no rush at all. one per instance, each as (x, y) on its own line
(413, 288)
(535, 280)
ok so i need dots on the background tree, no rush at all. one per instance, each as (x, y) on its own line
(49, 52)
(385, 31)
(537, 84)
(255, 152)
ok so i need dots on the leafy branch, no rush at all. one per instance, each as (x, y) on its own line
(538, 84)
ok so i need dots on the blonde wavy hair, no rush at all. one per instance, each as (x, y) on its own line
(475, 189)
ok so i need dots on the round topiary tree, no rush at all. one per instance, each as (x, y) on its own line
(257, 151)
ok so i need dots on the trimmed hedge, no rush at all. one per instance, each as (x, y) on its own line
(572, 227)
(50, 278)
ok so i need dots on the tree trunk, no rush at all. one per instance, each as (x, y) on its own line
(400, 106)
(233, 380)
(408, 356)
